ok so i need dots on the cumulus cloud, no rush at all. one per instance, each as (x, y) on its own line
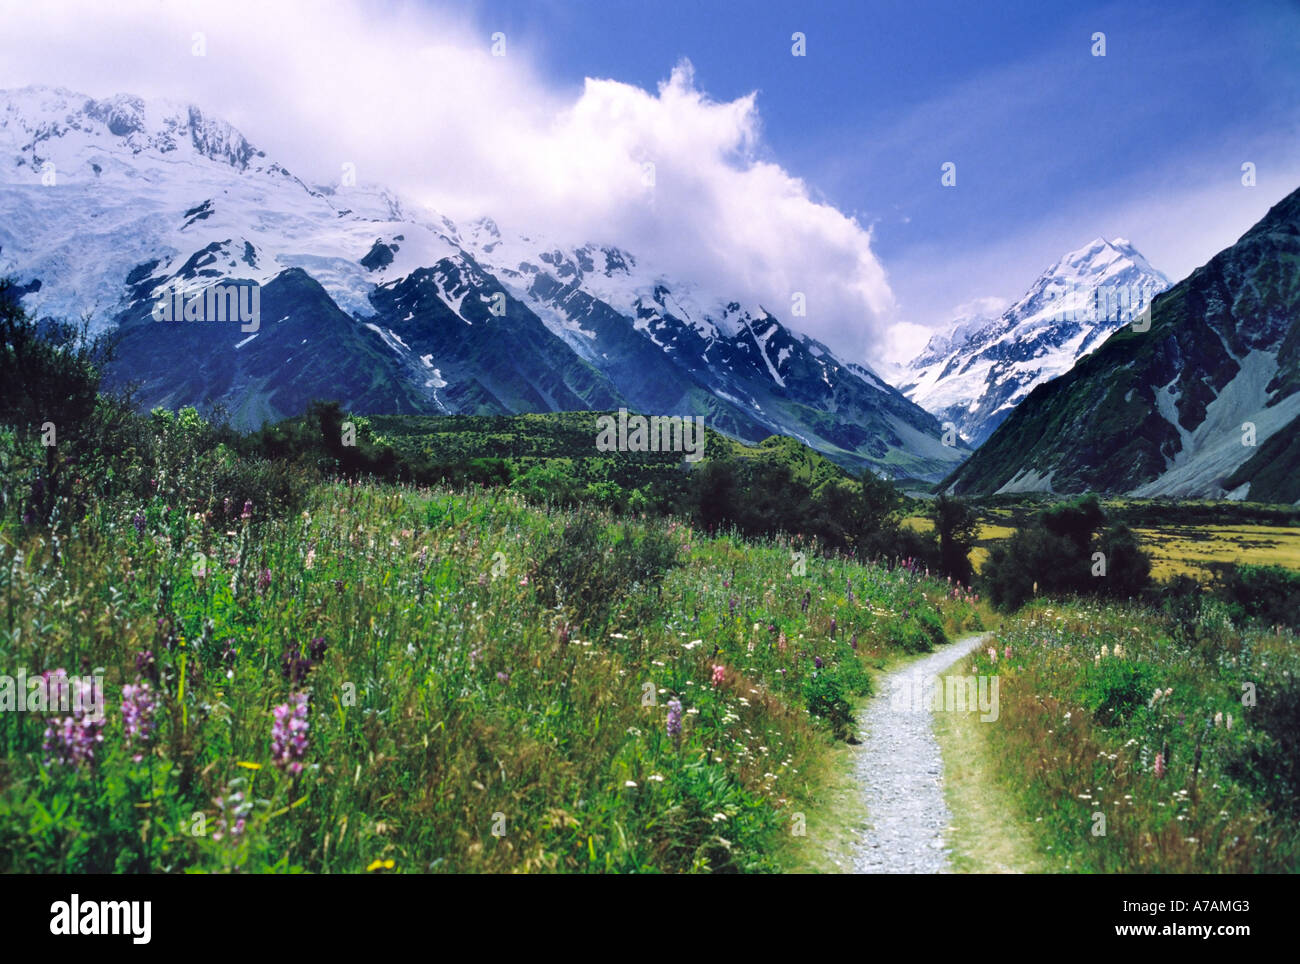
(416, 99)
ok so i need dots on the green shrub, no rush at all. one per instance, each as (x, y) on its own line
(1116, 689)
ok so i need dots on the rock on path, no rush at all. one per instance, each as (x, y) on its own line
(900, 771)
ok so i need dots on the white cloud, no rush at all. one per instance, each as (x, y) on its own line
(416, 100)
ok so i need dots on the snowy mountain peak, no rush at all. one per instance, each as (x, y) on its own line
(983, 367)
(59, 126)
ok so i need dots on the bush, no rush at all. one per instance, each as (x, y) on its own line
(1269, 759)
(824, 695)
(593, 566)
(1116, 689)
(1269, 595)
(1055, 553)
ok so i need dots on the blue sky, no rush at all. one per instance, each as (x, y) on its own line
(1053, 146)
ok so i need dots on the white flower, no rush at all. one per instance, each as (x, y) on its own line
(629, 783)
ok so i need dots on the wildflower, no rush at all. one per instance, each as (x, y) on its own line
(1228, 722)
(807, 598)
(854, 641)
(138, 710)
(674, 725)
(817, 661)
(233, 814)
(719, 675)
(263, 581)
(1218, 719)
(631, 784)
(1118, 651)
(656, 777)
(833, 626)
(378, 864)
(138, 522)
(310, 561)
(289, 733)
(993, 653)
(1006, 652)
(71, 739)
(1160, 765)
(248, 510)
(503, 678)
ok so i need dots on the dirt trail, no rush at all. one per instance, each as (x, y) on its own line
(900, 771)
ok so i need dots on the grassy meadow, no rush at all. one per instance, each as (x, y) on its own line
(486, 685)
(1131, 742)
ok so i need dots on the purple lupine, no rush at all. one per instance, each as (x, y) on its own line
(138, 522)
(817, 661)
(138, 709)
(71, 739)
(854, 641)
(316, 649)
(263, 581)
(289, 734)
(834, 625)
(675, 720)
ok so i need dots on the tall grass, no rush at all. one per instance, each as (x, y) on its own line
(1134, 743)
(488, 685)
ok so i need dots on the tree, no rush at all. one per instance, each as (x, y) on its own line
(957, 527)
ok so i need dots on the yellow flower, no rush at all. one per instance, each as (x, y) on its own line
(380, 864)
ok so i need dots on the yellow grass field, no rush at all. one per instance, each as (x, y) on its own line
(1186, 550)
(1179, 550)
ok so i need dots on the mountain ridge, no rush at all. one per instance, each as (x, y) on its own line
(147, 195)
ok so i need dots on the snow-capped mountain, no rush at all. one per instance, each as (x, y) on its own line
(1202, 400)
(974, 375)
(387, 306)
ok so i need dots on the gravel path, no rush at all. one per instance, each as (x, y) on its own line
(900, 771)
